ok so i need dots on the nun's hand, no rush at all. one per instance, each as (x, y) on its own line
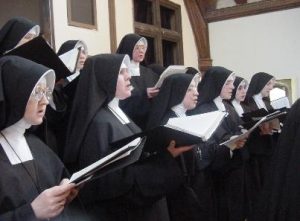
(51, 202)
(237, 144)
(176, 151)
(152, 92)
(266, 128)
(73, 192)
(240, 143)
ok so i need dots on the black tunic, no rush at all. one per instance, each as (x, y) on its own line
(195, 199)
(126, 194)
(228, 172)
(280, 199)
(18, 190)
(137, 106)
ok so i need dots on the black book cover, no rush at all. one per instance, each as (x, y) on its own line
(39, 51)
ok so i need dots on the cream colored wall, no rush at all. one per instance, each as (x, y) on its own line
(267, 42)
(98, 41)
(124, 18)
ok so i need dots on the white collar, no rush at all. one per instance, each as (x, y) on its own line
(15, 145)
(238, 107)
(134, 68)
(218, 102)
(116, 110)
(259, 101)
(179, 110)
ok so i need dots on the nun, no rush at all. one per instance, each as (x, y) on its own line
(177, 95)
(239, 94)
(33, 184)
(258, 92)
(131, 193)
(262, 141)
(143, 79)
(68, 46)
(58, 115)
(227, 167)
(15, 32)
(280, 200)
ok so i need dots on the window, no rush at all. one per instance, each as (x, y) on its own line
(82, 13)
(160, 22)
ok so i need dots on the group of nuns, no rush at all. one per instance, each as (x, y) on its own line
(112, 97)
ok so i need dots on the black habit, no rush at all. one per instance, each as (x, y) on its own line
(280, 199)
(260, 147)
(227, 168)
(131, 193)
(13, 31)
(21, 183)
(184, 203)
(138, 104)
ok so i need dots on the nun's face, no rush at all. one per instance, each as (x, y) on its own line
(123, 89)
(241, 91)
(227, 89)
(265, 92)
(81, 60)
(191, 96)
(36, 105)
(138, 53)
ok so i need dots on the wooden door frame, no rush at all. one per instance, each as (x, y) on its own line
(46, 18)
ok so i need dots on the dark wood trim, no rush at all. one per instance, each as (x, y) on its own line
(200, 30)
(250, 9)
(46, 19)
(112, 25)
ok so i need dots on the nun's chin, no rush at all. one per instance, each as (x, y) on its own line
(125, 96)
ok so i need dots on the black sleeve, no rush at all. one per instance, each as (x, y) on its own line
(22, 213)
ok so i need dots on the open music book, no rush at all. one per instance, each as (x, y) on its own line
(170, 70)
(118, 159)
(184, 131)
(70, 59)
(279, 103)
(201, 125)
(267, 118)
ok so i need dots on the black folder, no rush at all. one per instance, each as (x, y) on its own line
(39, 51)
(253, 125)
(251, 118)
(160, 137)
(110, 163)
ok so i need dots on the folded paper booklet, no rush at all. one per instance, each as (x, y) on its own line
(70, 59)
(118, 159)
(39, 51)
(280, 103)
(268, 118)
(200, 125)
(184, 131)
(170, 70)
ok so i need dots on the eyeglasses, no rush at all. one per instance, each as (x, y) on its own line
(40, 92)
